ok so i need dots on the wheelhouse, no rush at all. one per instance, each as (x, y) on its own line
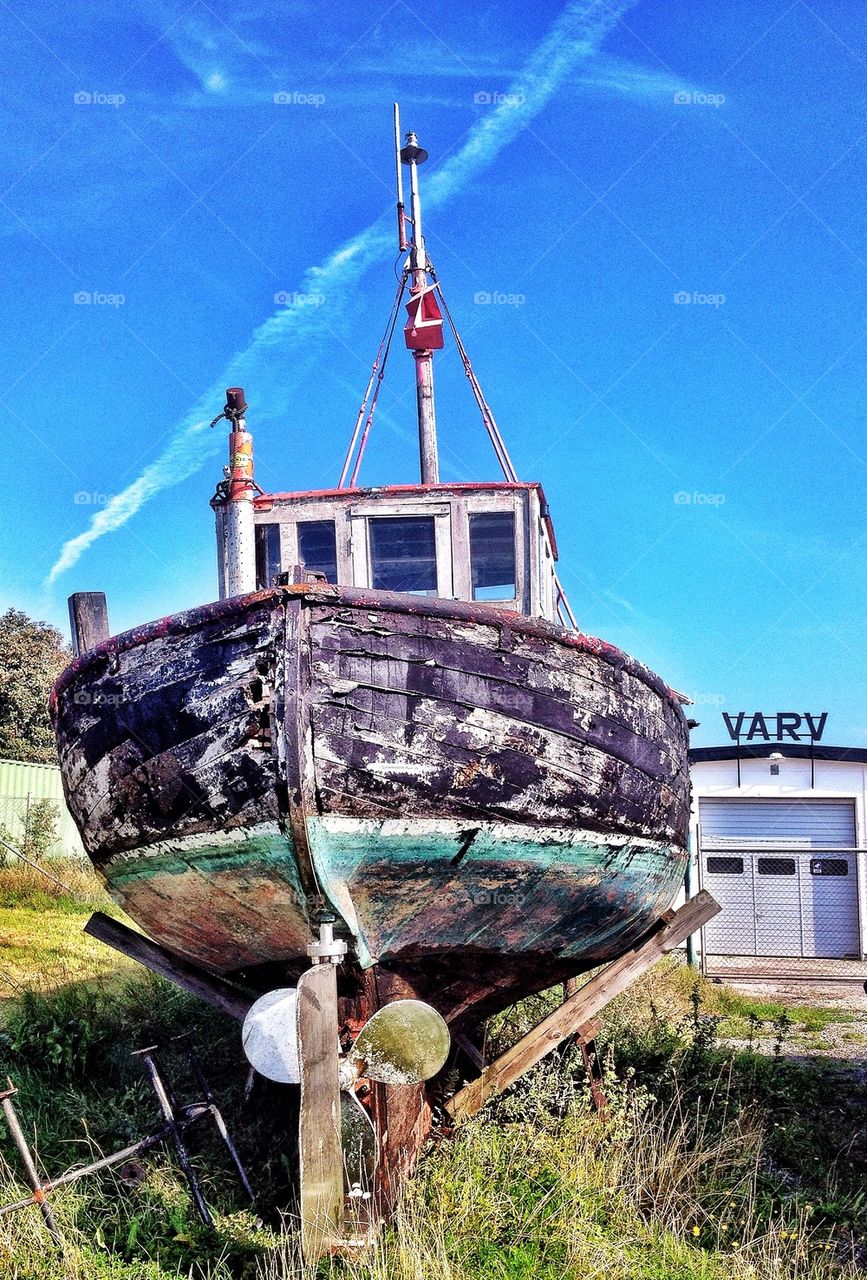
(487, 543)
(490, 544)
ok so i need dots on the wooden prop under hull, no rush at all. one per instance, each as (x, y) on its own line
(490, 803)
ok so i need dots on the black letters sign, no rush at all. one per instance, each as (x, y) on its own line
(782, 726)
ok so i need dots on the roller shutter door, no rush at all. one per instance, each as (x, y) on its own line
(786, 899)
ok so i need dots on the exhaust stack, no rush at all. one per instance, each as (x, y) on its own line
(233, 503)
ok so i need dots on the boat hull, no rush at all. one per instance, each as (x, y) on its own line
(488, 803)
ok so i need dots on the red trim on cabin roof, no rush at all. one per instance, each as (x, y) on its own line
(265, 501)
(459, 486)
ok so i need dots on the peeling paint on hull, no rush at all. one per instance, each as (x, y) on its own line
(489, 802)
(566, 895)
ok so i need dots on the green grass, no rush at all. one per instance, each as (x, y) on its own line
(42, 939)
(711, 1166)
(671, 985)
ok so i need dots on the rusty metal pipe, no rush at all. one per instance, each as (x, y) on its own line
(29, 1164)
(164, 1098)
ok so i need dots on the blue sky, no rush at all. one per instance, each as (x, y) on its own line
(705, 460)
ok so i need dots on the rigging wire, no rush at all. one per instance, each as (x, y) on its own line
(377, 373)
(369, 423)
(378, 365)
(565, 611)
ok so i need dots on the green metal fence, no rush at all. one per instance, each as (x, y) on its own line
(33, 813)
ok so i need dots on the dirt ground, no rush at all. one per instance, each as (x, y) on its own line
(844, 1041)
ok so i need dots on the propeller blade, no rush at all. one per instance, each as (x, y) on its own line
(270, 1036)
(403, 1043)
(360, 1147)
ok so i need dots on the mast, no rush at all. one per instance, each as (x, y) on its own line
(423, 332)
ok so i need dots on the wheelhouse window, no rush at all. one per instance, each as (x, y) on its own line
(492, 556)
(317, 547)
(403, 554)
(267, 554)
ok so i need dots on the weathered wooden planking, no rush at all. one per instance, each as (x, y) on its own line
(460, 614)
(171, 736)
(387, 673)
(414, 679)
(580, 1008)
(525, 664)
(370, 778)
(177, 794)
(161, 690)
(435, 646)
(551, 781)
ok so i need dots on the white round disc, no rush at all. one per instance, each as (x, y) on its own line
(270, 1036)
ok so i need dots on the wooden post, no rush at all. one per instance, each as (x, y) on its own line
(88, 620)
(320, 1147)
(214, 991)
(580, 1008)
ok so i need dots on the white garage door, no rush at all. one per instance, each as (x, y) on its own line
(780, 895)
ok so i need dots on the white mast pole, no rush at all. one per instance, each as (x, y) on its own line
(413, 155)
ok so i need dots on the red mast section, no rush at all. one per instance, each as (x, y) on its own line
(423, 331)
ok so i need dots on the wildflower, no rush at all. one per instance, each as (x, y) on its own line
(696, 1231)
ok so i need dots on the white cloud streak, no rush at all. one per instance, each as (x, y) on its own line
(574, 37)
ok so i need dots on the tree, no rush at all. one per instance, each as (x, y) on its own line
(32, 655)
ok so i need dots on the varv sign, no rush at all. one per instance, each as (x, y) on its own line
(782, 726)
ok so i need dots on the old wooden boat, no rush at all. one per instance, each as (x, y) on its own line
(386, 766)
(387, 713)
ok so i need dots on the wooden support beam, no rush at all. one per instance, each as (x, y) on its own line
(214, 991)
(588, 1031)
(588, 1000)
(88, 620)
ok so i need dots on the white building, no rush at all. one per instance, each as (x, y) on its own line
(779, 829)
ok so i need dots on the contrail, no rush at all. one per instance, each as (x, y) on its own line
(575, 36)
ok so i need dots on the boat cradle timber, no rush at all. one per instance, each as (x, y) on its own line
(388, 727)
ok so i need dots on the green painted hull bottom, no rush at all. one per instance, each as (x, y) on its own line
(420, 896)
